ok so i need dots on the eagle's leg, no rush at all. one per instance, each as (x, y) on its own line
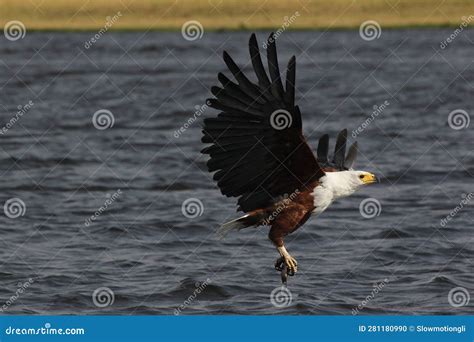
(276, 235)
(280, 263)
(289, 261)
(285, 260)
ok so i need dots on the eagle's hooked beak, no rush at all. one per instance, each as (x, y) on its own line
(368, 178)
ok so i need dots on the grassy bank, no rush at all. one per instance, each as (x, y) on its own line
(232, 14)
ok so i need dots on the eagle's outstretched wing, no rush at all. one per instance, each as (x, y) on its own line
(258, 148)
(340, 161)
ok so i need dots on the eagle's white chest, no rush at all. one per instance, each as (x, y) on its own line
(322, 198)
(332, 186)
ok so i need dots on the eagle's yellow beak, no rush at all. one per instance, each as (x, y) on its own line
(368, 178)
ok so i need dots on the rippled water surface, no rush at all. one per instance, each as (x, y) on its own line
(152, 257)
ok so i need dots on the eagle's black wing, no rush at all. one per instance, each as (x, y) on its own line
(340, 161)
(258, 148)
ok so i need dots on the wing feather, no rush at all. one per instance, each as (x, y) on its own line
(277, 85)
(263, 81)
(340, 161)
(340, 149)
(290, 82)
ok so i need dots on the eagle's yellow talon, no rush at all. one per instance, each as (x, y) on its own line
(291, 264)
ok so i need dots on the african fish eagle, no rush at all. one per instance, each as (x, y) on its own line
(261, 156)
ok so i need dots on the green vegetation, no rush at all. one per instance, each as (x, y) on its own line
(232, 14)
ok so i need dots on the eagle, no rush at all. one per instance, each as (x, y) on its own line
(260, 155)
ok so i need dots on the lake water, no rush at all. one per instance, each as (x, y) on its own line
(141, 255)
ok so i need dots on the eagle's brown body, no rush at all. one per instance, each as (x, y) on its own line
(284, 216)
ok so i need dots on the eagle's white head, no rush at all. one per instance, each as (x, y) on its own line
(345, 183)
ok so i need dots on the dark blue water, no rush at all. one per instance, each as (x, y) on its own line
(150, 257)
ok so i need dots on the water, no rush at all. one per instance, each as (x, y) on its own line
(156, 260)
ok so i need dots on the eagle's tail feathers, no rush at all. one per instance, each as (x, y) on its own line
(248, 220)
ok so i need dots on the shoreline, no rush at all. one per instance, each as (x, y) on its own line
(244, 29)
(234, 15)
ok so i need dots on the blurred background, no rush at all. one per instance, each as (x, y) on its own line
(108, 207)
(232, 14)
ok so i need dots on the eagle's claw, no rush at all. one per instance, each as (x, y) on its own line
(292, 265)
(289, 263)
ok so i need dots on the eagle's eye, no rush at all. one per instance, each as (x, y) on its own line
(361, 176)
